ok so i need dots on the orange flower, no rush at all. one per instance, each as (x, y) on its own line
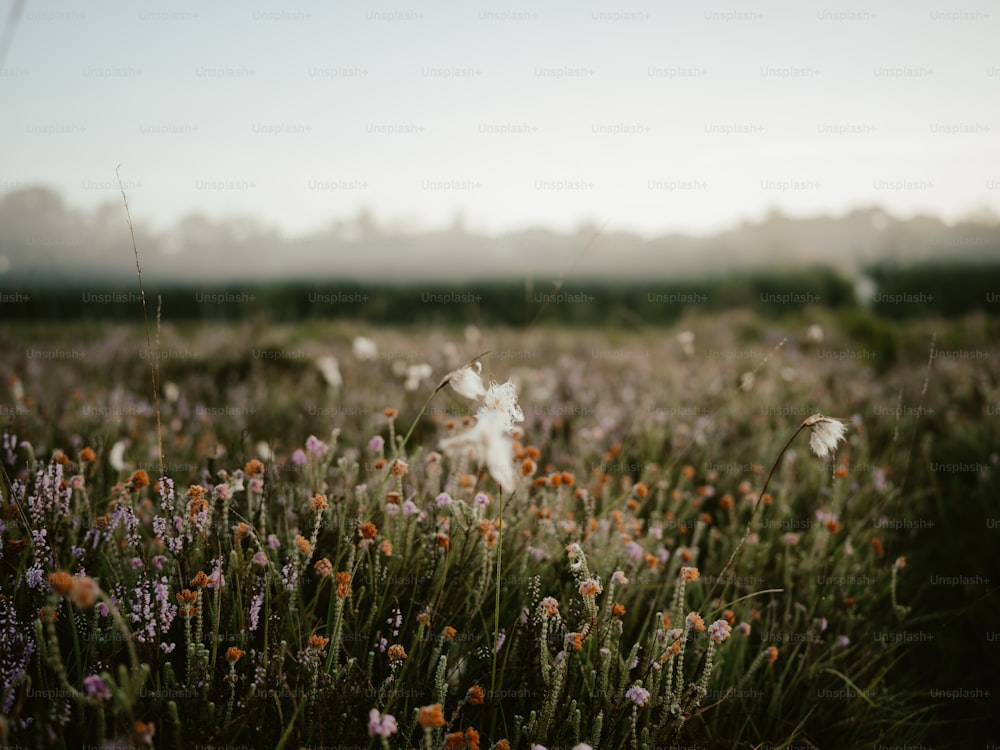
(528, 467)
(390, 413)
(502, 745)
(772, 654)
(138, 480)
(577, 640)
(242, 529)
(61, 581)
(641, 490)
(475, 695)
(729, 616)
(254, 468)
(449, 633)
(688, 472)
(317, 642)
(431, 716)
(344, 585)
(424, 619)
(143, 731)
(379, 464)
(48, 613)
(87, 455)
(841, 472)
(396, 652)
(393, 498)
(368, 530)
(234, 654)
(472, 738)
(201, 580)
(319, 502)
(454, 741)
(617, 610)
(877, 545)
(695, 621)
(84, 592)
(187, 596)
(690, 574)
(726, 502)
(386, 548)
(443, 540)
(589, 589)
(567, 478)
(303, 544)
(833, 526)
(323, 567)
(399, 468)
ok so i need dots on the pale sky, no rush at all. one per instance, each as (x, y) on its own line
(648, 116)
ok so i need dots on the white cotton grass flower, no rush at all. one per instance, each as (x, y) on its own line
(503, 399)
(824, 434)
(467, 381)
(116, 456)
(364, 349)
(416, 374)
(171, 391)
(330, 369)
(493, 445)
(686, 340)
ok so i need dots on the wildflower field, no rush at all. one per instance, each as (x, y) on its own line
(329, 535)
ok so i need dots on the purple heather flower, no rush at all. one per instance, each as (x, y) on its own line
(299, 457)
(316, 446)
(634, 551)
(95, 687)
(376, 444)
(273, 542)
(409, 508)
(481, 500)
(381, 725)
(638, 695)
(442, 500)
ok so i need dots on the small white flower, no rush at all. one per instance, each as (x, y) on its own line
(330, 369)
(116, 457)
(824, 434)
(264, 451)
(364, 349)
(467, 382)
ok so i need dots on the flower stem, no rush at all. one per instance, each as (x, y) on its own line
(746, 533)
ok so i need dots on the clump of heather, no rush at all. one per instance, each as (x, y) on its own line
(543, 559)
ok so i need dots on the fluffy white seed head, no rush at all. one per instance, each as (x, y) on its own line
(824, 434)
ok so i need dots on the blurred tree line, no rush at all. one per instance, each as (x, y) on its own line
(886, 292)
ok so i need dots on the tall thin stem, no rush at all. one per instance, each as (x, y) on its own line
(746, 532)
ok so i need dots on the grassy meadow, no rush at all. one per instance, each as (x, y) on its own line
(323, 556)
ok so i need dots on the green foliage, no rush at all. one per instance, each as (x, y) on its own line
(647, 456)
